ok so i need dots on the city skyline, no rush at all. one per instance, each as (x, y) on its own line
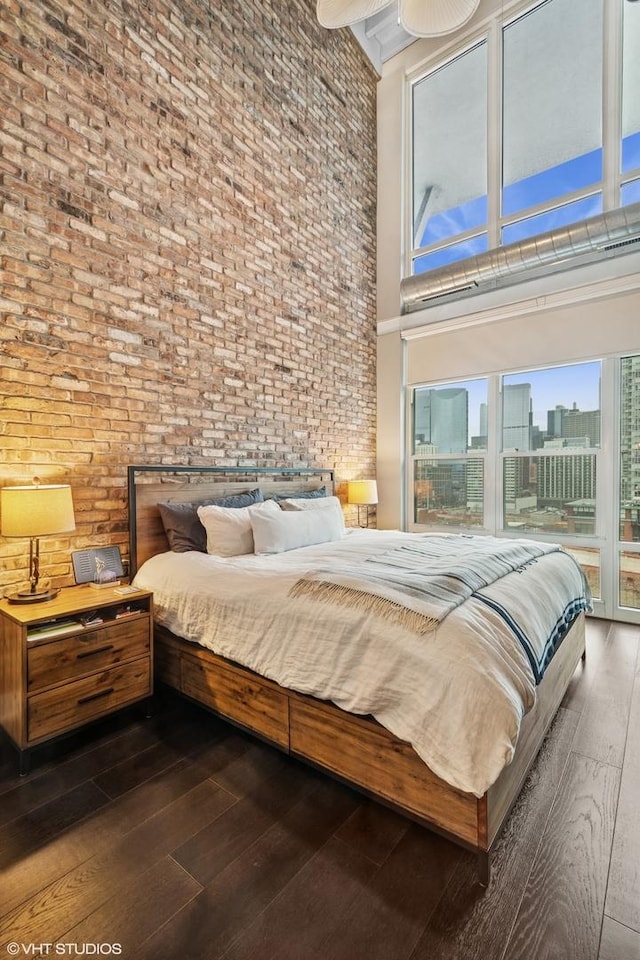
(551, 387)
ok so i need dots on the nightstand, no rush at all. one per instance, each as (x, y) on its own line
(70, 660)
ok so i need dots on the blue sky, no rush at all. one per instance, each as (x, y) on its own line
(547, 186)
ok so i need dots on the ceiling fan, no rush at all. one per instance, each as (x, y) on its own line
(422, 18)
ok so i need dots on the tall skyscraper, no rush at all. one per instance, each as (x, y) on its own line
(442, 418)
(554, 421)
(517, 416)
(630, 431)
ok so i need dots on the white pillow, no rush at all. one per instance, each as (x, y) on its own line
(315, 503)
(229, 531)
(290, 529)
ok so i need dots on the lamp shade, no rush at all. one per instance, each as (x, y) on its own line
(36, 511)
(362, 491)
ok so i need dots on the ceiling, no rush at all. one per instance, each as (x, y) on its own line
(381, 36)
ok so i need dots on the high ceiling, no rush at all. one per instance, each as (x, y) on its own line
(381, 36)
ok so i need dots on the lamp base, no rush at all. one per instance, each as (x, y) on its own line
(27, 596)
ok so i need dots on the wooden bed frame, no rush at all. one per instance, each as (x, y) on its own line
(357, 750)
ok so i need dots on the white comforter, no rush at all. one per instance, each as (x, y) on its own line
(457, 695)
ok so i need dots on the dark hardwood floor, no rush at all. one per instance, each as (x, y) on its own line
(181, 837)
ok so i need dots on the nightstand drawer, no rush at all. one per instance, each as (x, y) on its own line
(80, 654)
(69, 706)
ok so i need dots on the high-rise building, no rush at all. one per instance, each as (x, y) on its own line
(630, 432)
(442, 418)
(554, 421)
(517, 416)
(565, 478)
(572, 423)
(517, 420)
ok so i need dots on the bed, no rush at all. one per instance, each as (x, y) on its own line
(221, 658)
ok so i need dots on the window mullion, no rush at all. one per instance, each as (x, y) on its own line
(493, 462)
(494, 131)
(611, 104)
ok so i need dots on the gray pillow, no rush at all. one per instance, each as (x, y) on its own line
(309, 495)
(182, 524)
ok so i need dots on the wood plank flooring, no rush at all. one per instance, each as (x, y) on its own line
(180, 838)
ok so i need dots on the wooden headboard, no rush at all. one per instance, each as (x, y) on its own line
(149, 486)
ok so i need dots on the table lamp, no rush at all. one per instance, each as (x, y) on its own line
(362, 493)
(35, 511)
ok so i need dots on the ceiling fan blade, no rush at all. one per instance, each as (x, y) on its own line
(433, 18)
(342, 13)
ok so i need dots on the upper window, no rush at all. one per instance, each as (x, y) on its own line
(494, 164)
(552, 104)
(450, 155)
(630, 157)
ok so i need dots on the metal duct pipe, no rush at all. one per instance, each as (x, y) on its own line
(603, 233)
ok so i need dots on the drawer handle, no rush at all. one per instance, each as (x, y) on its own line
(92, 653)
(95, 696)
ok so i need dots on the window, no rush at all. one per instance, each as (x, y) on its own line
(497, 164)
(450, 157)
(555, 412)
(554, 408)
(630, 154)
(529, 463)
(449, 433)
(552, 104)
(522, 454)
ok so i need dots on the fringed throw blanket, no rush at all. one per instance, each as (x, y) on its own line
(416, 585)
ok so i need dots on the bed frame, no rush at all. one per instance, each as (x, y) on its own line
(357, 750)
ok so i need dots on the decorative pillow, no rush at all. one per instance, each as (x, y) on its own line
(290, 529)
(229, 531)
(322, 503)
(308, 495)
(182, 525)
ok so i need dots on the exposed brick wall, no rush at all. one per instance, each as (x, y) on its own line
(187, 242)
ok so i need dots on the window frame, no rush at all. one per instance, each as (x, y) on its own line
(613, 179)
(606, 536)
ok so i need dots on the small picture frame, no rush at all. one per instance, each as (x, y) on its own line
(99, 566)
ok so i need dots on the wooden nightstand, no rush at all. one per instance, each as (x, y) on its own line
(70, 660)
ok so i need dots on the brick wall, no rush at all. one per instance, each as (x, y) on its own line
(187, 242)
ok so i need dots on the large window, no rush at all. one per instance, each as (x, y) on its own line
(450, 159)
(630, 153)
(524, 454)
(555, 412)
(449, 438)
(552, 113)
(510, 138)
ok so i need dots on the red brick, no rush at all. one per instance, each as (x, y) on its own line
(188, 241)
